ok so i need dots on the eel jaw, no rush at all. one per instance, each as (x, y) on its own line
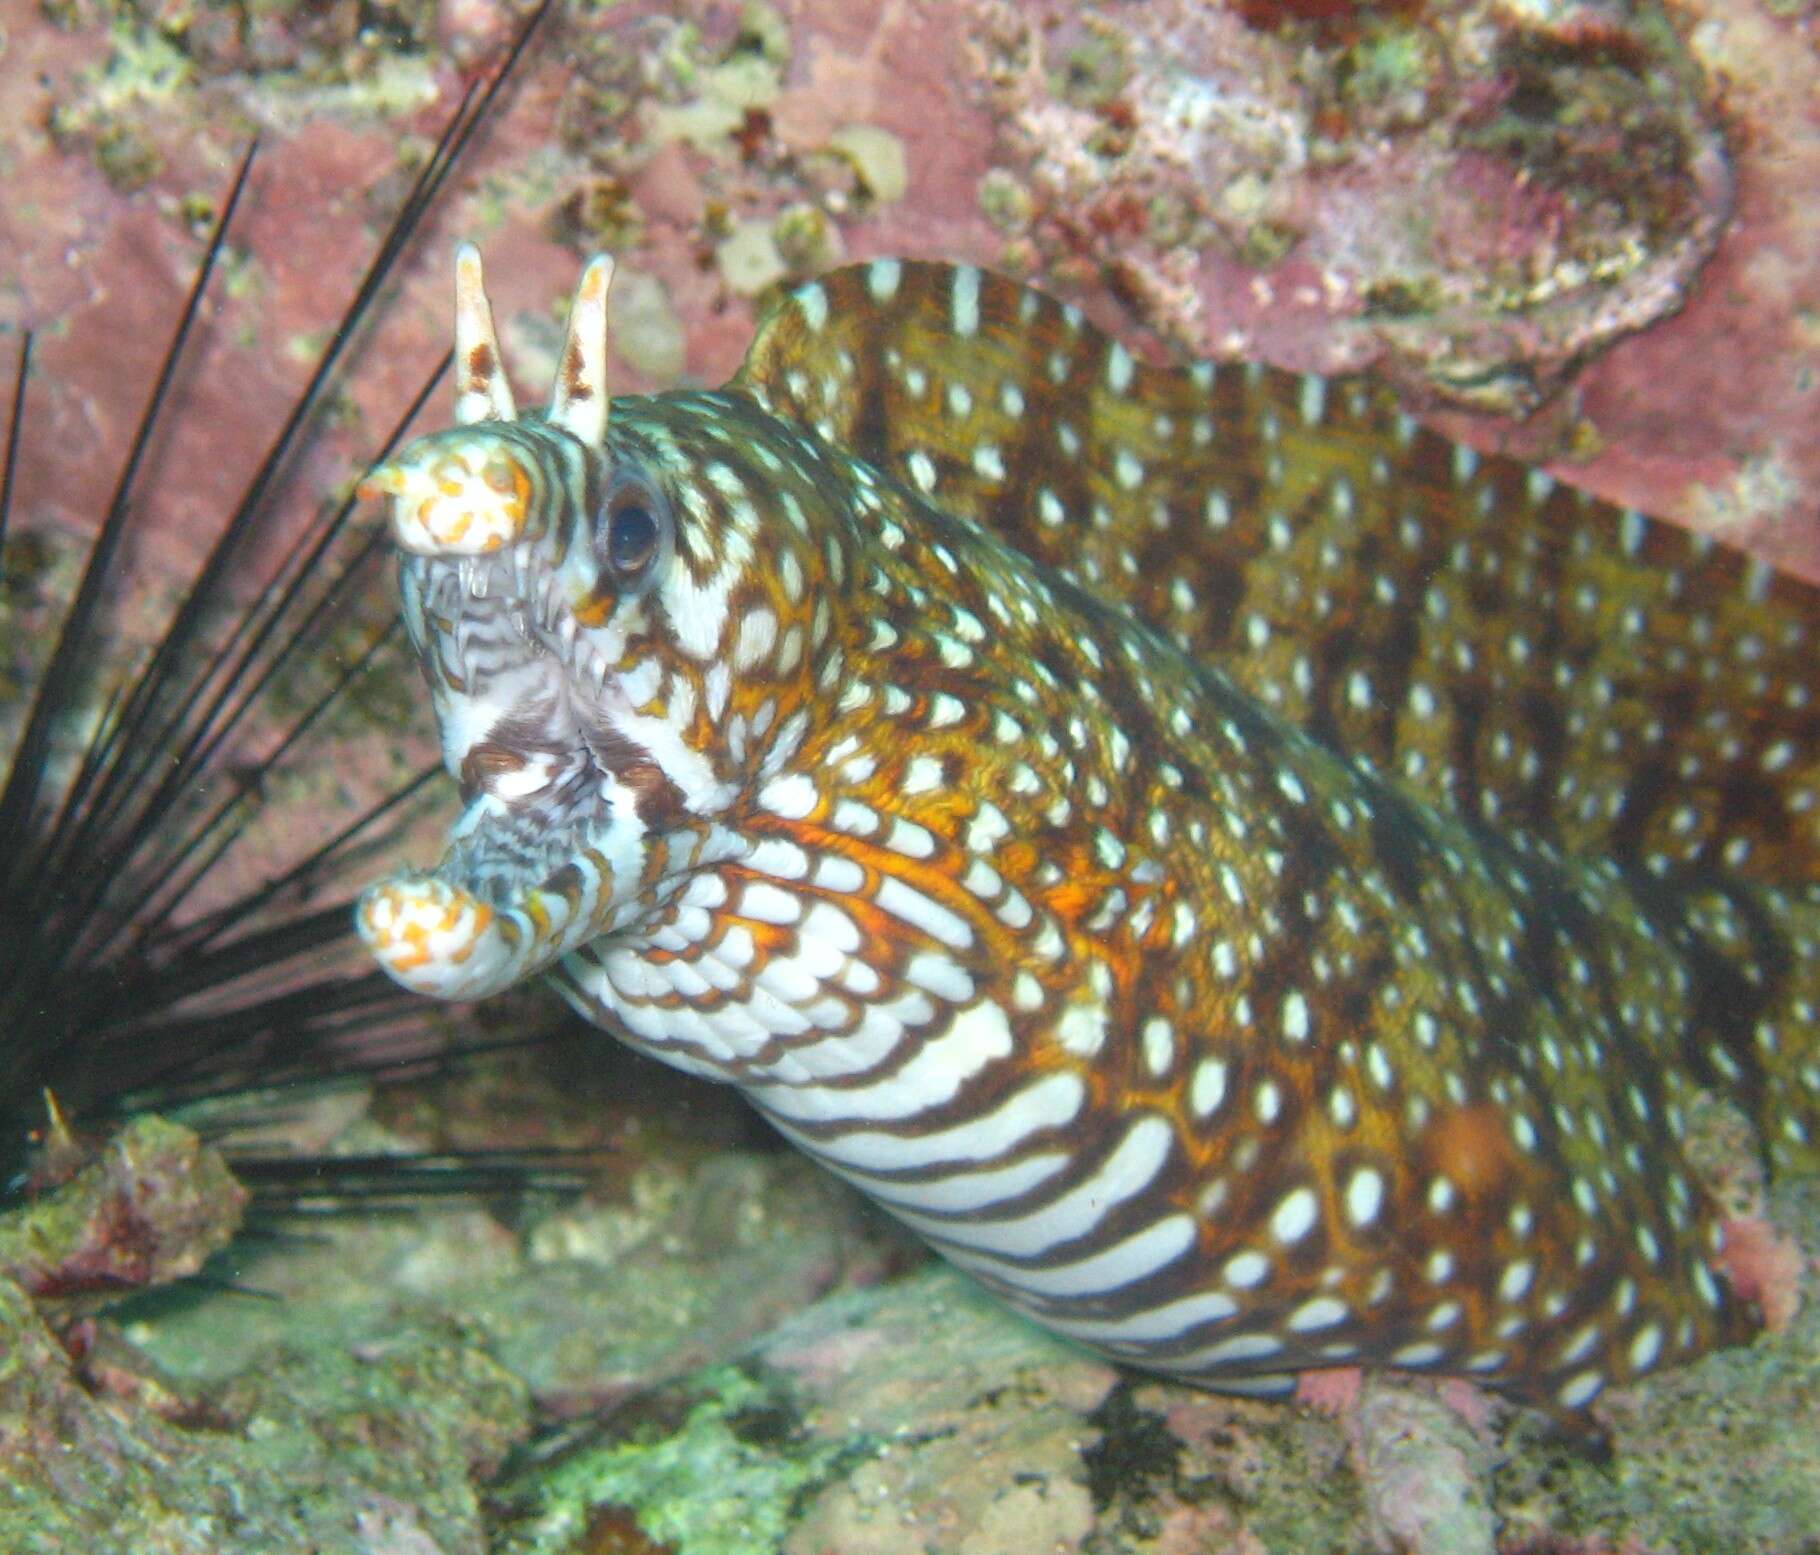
(440, 938)
(531, 867)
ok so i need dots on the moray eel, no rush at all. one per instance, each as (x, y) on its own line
(1256, 884)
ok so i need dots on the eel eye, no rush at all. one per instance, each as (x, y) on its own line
(631, 537)
(632, 530)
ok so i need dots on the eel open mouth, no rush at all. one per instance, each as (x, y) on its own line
(530, 869)
(528, 872)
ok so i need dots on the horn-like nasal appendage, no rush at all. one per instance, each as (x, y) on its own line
(468, 491)
(578, 403)
(482, 391)
(463, 492)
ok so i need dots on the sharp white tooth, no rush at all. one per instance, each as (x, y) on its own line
(477, 583)
(521, 570)
(565, 629)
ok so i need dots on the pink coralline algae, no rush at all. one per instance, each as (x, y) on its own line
(1478, 195)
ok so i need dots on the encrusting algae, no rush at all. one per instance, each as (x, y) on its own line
(1253, 882)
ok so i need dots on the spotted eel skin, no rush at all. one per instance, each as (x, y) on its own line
(1256, 884)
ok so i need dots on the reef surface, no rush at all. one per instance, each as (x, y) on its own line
(1606, 204)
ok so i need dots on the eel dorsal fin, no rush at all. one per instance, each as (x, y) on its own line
(1506, 645)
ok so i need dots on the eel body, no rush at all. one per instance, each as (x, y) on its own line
(1255, 883)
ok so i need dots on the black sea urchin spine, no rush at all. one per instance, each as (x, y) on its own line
(130, 979)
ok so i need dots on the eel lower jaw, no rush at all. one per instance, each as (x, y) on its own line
(437, 937)
(528, 874)
(496, 910)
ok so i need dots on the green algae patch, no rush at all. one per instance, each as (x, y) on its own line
(723, 1471)
(326, 1452)
(749, 259)
(644, 327)
(146, 1208)
(878, 157)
